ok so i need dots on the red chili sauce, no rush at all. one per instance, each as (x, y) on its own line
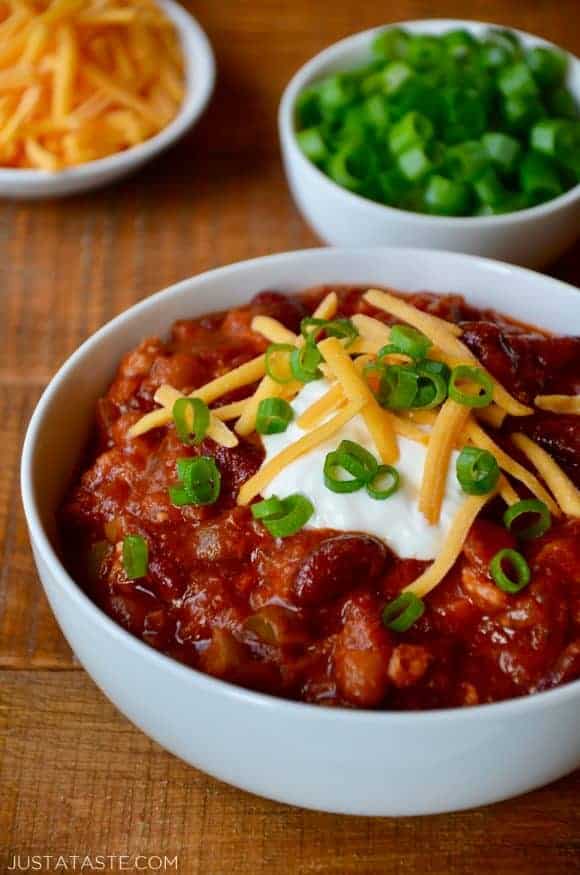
(301, 617)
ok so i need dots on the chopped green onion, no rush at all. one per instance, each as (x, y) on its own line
(518, 564)
(405, 339)
(274, 416)
(494, 56)
(392, 187)
(286, 517)
(348, 167)
(191, 417)
(273, 506)
(521, 111)
(473, 375)
(403, 612)
(477, 471)
(414, 163)
(503, 150)
(178, 496)
(548, 66)
(361, 462)
(459, 44)
(445, 197)
(312, 144)
(509, 40)
(391, 43)
(376, 111)
(385, 482)
(434, 367)
(399, 387)
(384, 352)
(413, 129)
(135, 556)
(278, 366)
(387, 81)
(523, 508)
(516, 79)
(344, 329)
(374, 374)
(424, 51)
(432, 390)
(334, 465)
(490, 189)
(335, 93)
(439, 123)
(539, 178)
(308, 108)
(466, 161)
(355, 460)
(561, 102)
(465, 114)
(558, 138)
(304, 362)
(201, 479)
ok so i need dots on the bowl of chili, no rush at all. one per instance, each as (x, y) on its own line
(448, 743)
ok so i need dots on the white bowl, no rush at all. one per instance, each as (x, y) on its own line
(353, 762)
(529, 237)
(200, 78)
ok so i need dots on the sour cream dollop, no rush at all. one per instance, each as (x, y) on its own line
(396, 520)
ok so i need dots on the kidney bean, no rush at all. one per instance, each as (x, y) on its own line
(236, 464)
(527, 363)
(338, 565)
(287, 310)
(559, 436)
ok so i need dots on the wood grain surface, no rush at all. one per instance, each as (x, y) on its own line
(75, 776)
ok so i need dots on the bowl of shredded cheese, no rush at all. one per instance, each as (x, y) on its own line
(92, 89)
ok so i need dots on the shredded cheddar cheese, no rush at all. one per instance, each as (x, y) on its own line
(462, 522)
(566, 494)
(507, 491)
(84, 79)
(492, 415)
(273, 330)
(559, 403)
(399, 308)
(230, 411)
(449, 424)
(357, 390)
(322, 408)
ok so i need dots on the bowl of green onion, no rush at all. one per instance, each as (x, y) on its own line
(440, 133)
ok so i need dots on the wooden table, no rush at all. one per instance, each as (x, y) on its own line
(75, 776)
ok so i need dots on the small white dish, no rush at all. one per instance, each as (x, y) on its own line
(331, 759)
(531, 237)
(200, 78)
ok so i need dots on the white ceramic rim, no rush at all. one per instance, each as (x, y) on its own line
(333, 52)
(200, 73)
(191, 676)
